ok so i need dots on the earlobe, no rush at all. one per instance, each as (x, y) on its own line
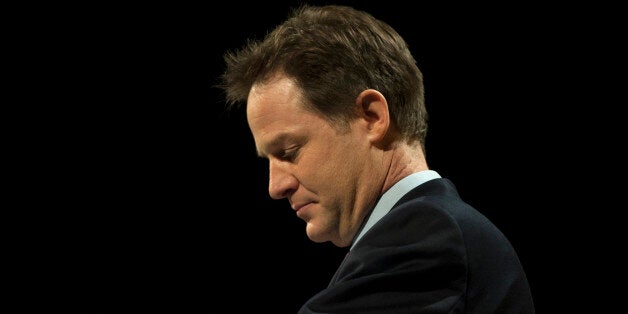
(373, 109)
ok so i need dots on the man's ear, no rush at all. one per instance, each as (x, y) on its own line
(373, 109)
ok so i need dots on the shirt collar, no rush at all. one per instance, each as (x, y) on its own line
(392, 196)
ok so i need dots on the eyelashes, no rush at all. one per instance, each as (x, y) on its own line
(289, 154)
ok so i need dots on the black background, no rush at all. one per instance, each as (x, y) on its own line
(156, 197)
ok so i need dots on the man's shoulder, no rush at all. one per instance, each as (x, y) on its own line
(437, 196)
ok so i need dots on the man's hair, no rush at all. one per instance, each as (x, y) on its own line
(333, 53)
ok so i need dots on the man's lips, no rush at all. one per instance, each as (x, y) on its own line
(298, 206)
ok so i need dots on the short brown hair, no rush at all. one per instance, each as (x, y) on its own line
(333, 53)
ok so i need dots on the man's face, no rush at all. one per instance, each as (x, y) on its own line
(320, 170)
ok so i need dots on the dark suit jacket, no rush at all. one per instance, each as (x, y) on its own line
(432, 253)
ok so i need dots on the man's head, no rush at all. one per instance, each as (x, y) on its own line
(331, 94)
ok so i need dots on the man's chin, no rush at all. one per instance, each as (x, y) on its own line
(316, 235)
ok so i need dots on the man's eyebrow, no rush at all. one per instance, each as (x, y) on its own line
(276, 141)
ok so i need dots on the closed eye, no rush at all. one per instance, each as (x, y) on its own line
(289, 154)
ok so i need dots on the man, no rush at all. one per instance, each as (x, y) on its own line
(335, 102)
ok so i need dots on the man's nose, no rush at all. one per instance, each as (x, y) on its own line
(281, 183)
